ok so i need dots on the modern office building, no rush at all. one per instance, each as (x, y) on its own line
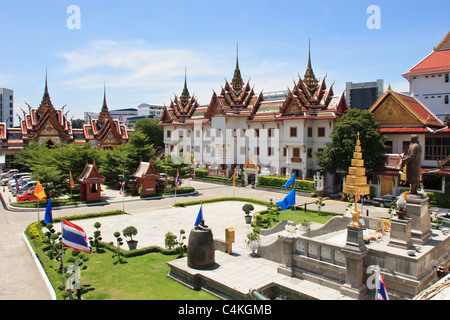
(7, 107)
(363, 95)
(152, 110)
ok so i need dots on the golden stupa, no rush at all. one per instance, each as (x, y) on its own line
(356, 183)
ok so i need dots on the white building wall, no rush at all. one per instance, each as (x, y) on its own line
(431, 90)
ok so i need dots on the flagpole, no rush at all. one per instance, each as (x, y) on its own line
(62, 257)
(295, 211)
(175, 199)
(38, 210)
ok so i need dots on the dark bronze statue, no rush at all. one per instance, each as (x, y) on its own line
(412, 160)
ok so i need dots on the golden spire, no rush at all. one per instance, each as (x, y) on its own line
(356, 183)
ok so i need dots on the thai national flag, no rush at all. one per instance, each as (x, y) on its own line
(381, 288)
(122, 186)
(74, 237)
(177, 180)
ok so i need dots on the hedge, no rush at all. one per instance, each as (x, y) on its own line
(305, 185)
(138, 252)
(201, 173)
(195, 202)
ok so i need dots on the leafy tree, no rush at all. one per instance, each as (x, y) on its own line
(119, 242)
(97, 236)
(125, 158)
(338, 154)
(247, 208)
(77, 123)
(130, 232)
(169, 240)
(172, 167)
(150, 128)
(52, 238)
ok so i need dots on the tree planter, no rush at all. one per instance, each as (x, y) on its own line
(248, 219)
(132, 244)
(253, 246)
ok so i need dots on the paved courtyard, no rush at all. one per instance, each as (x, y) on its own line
(21, 279)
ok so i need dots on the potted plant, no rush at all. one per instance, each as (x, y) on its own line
(247, 208)
(130, 232)
(252, 242)
(305, 224)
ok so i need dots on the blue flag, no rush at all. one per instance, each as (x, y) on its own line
(199, 216)
(289, 200)
(290, 181)
(48, 212)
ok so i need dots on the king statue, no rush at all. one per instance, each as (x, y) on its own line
(412, 160)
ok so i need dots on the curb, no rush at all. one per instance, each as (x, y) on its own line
(103, 203)
(40, 268)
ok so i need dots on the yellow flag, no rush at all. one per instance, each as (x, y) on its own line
(234, 177)
(72, 185)
(39, 191)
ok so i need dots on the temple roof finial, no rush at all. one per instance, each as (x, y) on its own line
(185, 96)
(104, 114)
(237, 83)
(309, 78)
(46, 86)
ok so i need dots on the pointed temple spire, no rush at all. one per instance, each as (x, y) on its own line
(237, 82)
(184, 98)
(309, 78)
(104, 114)
(46, 103)
(46, 85)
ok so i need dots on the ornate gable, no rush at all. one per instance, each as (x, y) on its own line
(394, 109)
(444, 44)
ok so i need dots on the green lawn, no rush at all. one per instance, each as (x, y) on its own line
(140, 278)
(299, 214)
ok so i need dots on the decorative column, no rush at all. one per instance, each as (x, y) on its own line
(288, 238)
(355, 249)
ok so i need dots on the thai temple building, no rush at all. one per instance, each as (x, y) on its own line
(279, 134)
(425, 112)
(52, 127)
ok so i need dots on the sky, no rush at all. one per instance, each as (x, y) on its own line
(140, 49)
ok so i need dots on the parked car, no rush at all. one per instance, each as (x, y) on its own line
(11, 184)
(8, 173)
(18, 175)
(27, 196)
(160, 184)
(31, 184)
(384, 201)
(22, 182)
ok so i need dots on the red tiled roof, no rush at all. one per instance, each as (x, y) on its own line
(405, 130)
(437, 61)
(421, 110)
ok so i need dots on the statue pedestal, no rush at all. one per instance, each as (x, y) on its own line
(354, 252)
(417, 210)
(400, 233)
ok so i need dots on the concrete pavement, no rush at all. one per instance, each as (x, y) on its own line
(20, 278)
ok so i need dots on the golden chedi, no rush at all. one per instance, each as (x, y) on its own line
(356, 183)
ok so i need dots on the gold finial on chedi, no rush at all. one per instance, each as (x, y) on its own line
(356, 183)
